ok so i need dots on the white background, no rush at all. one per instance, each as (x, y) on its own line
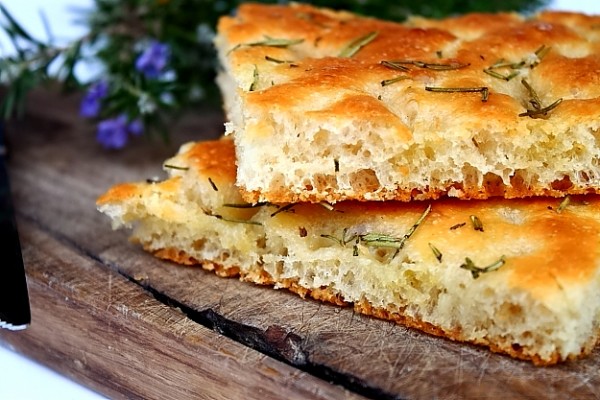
(20, 378)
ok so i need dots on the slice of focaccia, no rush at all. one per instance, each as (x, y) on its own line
(327, 105)
(518, 276)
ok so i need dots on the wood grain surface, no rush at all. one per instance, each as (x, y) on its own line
(130, 326)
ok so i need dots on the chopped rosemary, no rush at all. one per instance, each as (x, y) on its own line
(436, 252)
(456, 226)
(387, 82)
(215, 188)
(476, 271)
(238, 221)
(302, 231)
(477, 225)
(255, 78)
(176, 167)
(484, 90)
(354, 47)
(563, 204)
(438, 53)
(336, 165)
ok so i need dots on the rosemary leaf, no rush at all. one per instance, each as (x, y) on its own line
(234, 220)
(438, 254)
(354, 47)
(477, 225)
(278, 61)
(433, 66)
(456, 226)
(286, 208)
(255, 79)
(476, 271)
(336, 165)
(326, 205)
(394, 65)
(170, 166)
(212, 183)
(331, 237)
(276, 42)
(484, 90)
(563, 204)
(245, 205)
(387, 82)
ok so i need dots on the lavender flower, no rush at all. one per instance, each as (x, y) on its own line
(92, 101)
(114, 133)
(153, 60)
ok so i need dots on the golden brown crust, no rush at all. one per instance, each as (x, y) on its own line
(325, 294)
(493, 187)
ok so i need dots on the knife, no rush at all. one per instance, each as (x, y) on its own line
(15, 313)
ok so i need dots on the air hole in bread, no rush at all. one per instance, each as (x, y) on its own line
(364, 180)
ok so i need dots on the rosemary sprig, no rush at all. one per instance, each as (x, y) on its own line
(377, 240)
(354, 47)
(426, 65)
(542, 111)
(170, 166)
(438, 254)
(476, 271)
(484, 90)
(536, 103)
(540, 53)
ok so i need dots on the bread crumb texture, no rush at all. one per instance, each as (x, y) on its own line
(526, 282)
(312, 123)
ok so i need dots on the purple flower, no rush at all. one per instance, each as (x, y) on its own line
(114, 133)
(136, 127)
(153, 60)
(92, 101)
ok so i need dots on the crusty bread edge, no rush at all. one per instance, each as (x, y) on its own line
(261, 277)
(490, 189)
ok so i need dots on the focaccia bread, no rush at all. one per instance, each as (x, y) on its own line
(330, 106)
(521, 277)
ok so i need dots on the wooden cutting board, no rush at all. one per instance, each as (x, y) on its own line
(130, 326)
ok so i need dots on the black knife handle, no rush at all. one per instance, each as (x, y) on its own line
(14, 298)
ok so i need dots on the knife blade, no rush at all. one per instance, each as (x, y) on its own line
(15, 312)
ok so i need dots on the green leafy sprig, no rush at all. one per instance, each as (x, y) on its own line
(173, 38)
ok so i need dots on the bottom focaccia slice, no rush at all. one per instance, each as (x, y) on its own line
(518, 276)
